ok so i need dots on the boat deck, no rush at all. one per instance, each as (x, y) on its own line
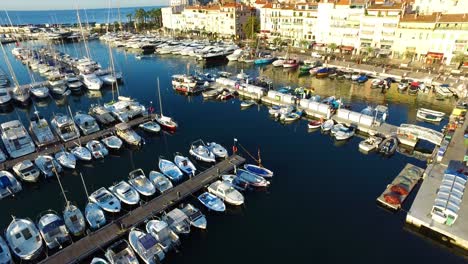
(50, 149)
(409, 177)
(101, 238)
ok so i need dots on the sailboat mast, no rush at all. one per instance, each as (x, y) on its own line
(160, 101)
(60, 183)
(10, 68)
(84, 185)
(82, 32)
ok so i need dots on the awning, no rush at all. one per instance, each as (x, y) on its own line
(264, 31)
(347, 48)
(319, 44)
(436, 55)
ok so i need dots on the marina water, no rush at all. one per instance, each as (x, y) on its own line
(321, 205)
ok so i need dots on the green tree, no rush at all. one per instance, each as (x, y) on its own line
(332, 47)
(155, 16)
(140, 17)
(409, 54)
(129, 17)
(251, 27)
(304, 44)
(459, 58)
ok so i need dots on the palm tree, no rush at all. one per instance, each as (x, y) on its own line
(304, 44)
(459, 58)
(140, 16)
(332, 47)
(129, 17)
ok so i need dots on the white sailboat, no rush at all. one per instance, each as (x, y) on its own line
(164, 121)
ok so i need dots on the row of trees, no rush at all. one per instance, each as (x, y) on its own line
(145, 19)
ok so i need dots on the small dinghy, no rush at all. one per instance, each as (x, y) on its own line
(369, 144)
(97, 149)
(169, 169)
(9, 185)
(327, 125)
(260, 171)
(185, 164)
(26, 171)
(81, 153)
(66, 159)
(177, 221)
(218, 150)
(74, 219)
(143, 185)
(430, 115)
(125, 192)
(95, 216)
(388, 146)
(22, 236)
(112, 142)
(47, 164)
(344, 132)
(212, 202)
(274, 110)
(226, 192)
(146, 246)
(106, 200)
(201, 152)
(196, 217)
(290, 117)
(53, 230)
(163, 234)
(314, 124)
(161, 182)
(150, 126)
(247, 104)
(252, 179)
(121, 253)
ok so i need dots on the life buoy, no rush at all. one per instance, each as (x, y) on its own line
(234, 149)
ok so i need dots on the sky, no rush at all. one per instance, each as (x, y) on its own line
(71, 4)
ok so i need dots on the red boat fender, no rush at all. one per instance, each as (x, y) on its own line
(392, 198)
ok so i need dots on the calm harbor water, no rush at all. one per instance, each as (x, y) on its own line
(321, 205)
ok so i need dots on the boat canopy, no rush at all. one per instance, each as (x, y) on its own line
(147, 241)
(54, 225)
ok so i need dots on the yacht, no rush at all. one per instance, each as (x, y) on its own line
(9, 185)
(47, 164)
(235, 55)
(124, 110)
(20, 95)
(177, 221)
(121, 253)
(5, 97)
(106, 200)
(53, 230)
(26, 171)
(101, 114)
(184, 80)
(112, 142)
(73, 83)
(125, 132)
(81, 153)
(5, 255)
(40, 92)
(64, 127)
(16, 139)
(106, 77)
(91, 81)
(125, 192)
(24, 239)
(86, 123)
(146, 246)
(163, 234)
(40, 131)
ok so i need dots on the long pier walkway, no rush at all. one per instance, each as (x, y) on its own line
(47, 150)
(101, 238)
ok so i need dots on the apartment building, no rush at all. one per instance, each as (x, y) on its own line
(427, 7)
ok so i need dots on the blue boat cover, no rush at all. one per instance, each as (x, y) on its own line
(5, 182)
(53, 225)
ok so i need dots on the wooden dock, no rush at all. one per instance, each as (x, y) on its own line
(50, 149)
(103, 237)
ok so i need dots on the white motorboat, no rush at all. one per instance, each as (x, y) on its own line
(95, 216)
(235, 55)
(163, 234)
(369, 144)
(212, 202)
(97, 149)
(278, 63)
(161, 182)
(218, 150)
(16, 139)
(146, 246)
(251, 179)
(121, 253)
(5, 97)
(86, 123)
(66, 159)
(91, 81)
(327, 125)
(74, 219)
(97, 260)
(150, 126)
(258, 170)
(177, 221)
(195, 216)
(248, 103)
(443, 90)
(73, 83)
(106, 200)
(226, 192)
(60, 90)
(39, 92)
(26, 171)
(9, 185)
(169, 169)
(3, 156)
(125, 192)
(101, 114)
(106, 77)
(81, 153)
(112, 142)
(344, 132)
(40, 131)
(125, 109)
(127, 134)
(47, 165)
(64, 127)
(24, 238)
(200, 151)
(429, 115)
(143, 185)
(5, 255)
(53, 230)
(20, 95)
(185, 164)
